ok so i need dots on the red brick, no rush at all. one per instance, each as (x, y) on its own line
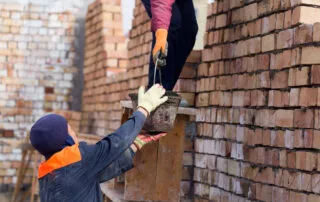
(203, 69)
(308, 97)
(299, 76)
(287, 19)
(238, 98)
(318, 161)
(285, 39)
(296, 56)
(291, 160)
(291, 179)
(316, 183)
(279, 174)
(298, 197)
(306, 160)
(251, 12)
(221, 20)
(268, 43)
(298, 139)
(294, 96)
(272, 157)
(305, 182)
(313, 197)
(283, 60)
(263, 61)
(268, 24)
(316, 140)
(284, 118)
(206, 55)
(303, 34)
(310, 55)
(278, 98)
(203, 99)
(279, 79)
(305, 15)
(278, 139)
(214, 69)
(304, 118)
(265, 118)
(308, 138)
(266, 176)
(289, 139)
(318, 100)
(225, 99)
(212, 83)
(266, 137)
(315, 74)
(317, 119)
(285, 4)
(265, 7)
(258, 98)
(257, 137)
(257, 27)
(316, 32)
(280, 21)
(263, 80)
(213, 100)
(254, 45)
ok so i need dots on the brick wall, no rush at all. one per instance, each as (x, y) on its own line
(105, 54)
(36, 71)
(103, 93)
(258, 103)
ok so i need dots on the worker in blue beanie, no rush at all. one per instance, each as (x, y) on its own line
(73, 171)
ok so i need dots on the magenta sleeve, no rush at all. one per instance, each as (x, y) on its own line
(161, 14)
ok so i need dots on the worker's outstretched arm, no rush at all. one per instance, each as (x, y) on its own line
(161, 11)
(118, 167)
(97, 157)
(124, 162)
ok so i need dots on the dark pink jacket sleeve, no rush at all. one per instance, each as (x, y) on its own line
(161, 14)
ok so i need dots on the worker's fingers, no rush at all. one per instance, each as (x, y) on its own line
(163, 100)
(141, 90)
(165, 52)
(157, 137)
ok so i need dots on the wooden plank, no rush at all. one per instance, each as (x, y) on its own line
(169, 164)
(181, 110)
(141, 180)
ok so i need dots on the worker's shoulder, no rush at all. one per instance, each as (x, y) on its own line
(87, 150)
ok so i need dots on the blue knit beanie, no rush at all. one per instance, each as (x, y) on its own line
(50, 135)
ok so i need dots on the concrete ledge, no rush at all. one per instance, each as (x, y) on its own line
(181, 110)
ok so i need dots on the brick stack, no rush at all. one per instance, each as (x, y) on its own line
(258, 118)
(36, 71)
(105, 54)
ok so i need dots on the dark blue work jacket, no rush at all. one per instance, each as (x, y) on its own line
(74, 173)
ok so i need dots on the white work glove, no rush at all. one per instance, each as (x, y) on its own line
(151, 99)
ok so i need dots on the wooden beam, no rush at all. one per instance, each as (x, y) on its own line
(169, 163)
(158, 168)
(140, 182)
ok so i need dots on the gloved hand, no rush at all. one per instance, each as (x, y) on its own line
(144, 139)
(150, 100)
(160, 50)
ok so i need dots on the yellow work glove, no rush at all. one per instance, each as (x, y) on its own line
(160, 50)
(151, 99)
